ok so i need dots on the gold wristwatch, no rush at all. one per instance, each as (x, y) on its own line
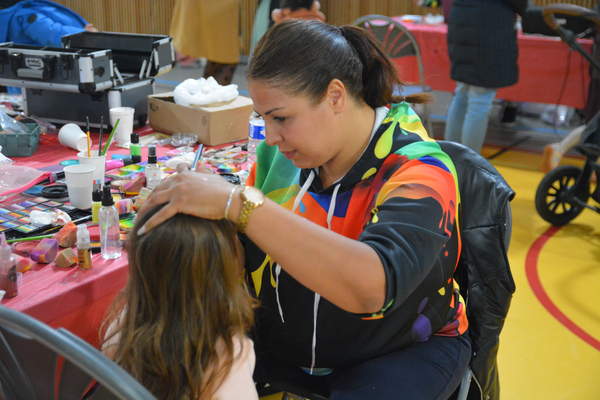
(252, 198)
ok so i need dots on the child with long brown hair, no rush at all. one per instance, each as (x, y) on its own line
(179, 325)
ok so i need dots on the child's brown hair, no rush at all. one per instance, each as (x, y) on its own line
(183, 296)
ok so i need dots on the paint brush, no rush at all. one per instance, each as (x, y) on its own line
(110, 137)
(27, 239)
(89, 141)
(197, 157)
(101, 129)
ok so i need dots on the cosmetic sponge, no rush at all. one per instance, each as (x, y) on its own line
(66, 258)
(45, 251)
(67, 236)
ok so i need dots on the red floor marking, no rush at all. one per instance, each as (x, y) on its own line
(531, 270)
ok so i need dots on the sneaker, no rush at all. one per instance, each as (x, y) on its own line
(509, 114)
(552, 157)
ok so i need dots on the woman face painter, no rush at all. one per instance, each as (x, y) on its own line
(348, 222)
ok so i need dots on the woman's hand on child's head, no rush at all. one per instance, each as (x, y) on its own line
(202, 194)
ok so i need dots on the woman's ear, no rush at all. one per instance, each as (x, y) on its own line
(336, 95)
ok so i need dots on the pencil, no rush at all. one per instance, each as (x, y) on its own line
(197, 157)
(101, 128)
(89, 144)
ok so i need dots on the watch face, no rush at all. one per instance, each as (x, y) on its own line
(253, 194)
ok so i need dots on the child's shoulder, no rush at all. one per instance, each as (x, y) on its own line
(238, 384)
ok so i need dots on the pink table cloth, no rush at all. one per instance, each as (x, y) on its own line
(68, 297)
(544, 64)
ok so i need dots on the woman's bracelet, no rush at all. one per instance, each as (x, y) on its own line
(229, 201)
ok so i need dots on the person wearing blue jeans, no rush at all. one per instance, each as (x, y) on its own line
(468, 114)
(483, 50)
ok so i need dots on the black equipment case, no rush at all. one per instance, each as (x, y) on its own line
(93, 72)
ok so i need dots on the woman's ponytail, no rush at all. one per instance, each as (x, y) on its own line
(379, 75)
(303, 57)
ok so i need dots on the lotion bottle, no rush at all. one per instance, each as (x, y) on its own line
(152, 171)
(84, 247)
(108, 218)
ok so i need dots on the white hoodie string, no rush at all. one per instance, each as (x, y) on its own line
(330, 213)
(297, 201)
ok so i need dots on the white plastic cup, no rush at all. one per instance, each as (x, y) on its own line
(99, 164)
(72, 136)
(125, 127)
(80, 180)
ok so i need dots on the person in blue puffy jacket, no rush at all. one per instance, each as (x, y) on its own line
(40, 23)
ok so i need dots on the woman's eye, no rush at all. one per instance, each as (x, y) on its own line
(279, 119)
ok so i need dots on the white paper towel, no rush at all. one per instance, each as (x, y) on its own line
(203, 91)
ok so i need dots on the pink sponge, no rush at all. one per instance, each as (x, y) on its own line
(23, 264)
(124, 206)
(135, 185)
(66, 258)
(46, 251)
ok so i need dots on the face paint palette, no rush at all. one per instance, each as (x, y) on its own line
(15, 218)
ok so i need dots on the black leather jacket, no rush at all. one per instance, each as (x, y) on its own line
(483, 272)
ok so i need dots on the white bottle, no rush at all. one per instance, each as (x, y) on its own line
(8, 270)
(152, 170)
(108, 219)
(256, 134)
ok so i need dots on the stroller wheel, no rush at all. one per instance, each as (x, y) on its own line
(556, 192)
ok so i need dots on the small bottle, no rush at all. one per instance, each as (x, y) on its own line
(152, 171)
(84, 247)
(108, 216)
(256, 134)
(8, 269)
(96, 204)
(134, 148)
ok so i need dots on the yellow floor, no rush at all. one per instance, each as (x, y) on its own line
(541, 357)
(550, 348)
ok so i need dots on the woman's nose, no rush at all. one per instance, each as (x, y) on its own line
(272, 135)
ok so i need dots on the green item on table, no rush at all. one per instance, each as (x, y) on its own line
(110, 138)
(27, 239)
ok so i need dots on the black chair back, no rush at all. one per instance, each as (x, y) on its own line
(34, 358)
(483, 271)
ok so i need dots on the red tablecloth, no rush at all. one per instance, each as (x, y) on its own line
(544, 62)
(71, 298)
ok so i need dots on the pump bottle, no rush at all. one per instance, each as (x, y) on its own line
(84, 247)
(108, 217)
(152, 171)
(96, 204)
(8, 270)
(134, 148)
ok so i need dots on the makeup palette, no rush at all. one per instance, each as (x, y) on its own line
(15, 221)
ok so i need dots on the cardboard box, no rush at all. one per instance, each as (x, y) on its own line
(214, 125)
